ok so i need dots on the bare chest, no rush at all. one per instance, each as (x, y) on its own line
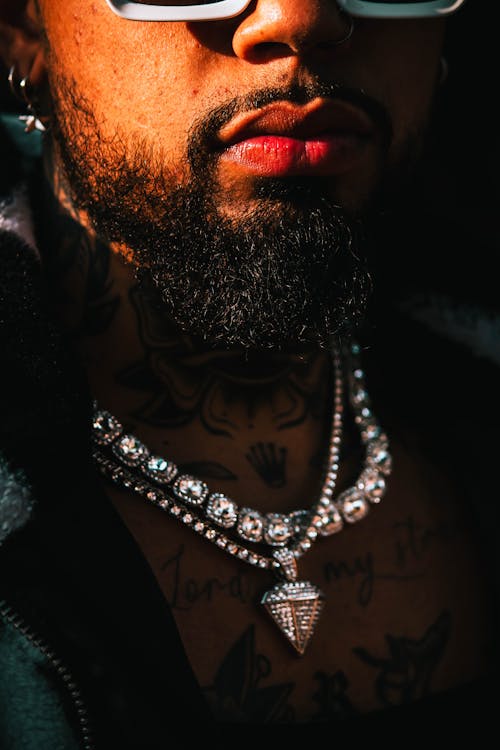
(406, 611)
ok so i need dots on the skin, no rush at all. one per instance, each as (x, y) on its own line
(259, 438)
(273, 43)
(270, 44)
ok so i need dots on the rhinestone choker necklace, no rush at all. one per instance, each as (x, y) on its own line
(271, 541)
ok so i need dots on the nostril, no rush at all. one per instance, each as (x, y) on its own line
(264, 51)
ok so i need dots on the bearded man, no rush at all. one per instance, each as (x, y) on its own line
(240, 483)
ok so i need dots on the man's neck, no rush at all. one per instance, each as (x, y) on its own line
(254, 425)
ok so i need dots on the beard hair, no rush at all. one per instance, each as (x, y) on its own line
(271, 283)
(288, 273)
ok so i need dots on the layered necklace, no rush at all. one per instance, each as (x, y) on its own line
(270, 541)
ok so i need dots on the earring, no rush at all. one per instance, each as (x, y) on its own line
(23, 91)
(443, 70)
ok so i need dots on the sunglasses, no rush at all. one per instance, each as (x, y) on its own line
(212, 10)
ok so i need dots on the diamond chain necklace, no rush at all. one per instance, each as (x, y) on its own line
(294, 605)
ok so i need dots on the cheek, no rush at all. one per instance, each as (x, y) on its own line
(411, 99)
(141, 81)
(412, 76)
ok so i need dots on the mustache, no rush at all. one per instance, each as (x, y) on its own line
(202, 136)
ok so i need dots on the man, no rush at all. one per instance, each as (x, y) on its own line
(197, 258)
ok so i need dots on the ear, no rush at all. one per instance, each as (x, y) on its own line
(21, 41)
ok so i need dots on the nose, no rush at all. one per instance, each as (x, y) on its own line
(278, 28)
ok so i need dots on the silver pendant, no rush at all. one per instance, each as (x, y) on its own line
(295, 606)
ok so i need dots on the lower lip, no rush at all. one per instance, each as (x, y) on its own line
(278, 156)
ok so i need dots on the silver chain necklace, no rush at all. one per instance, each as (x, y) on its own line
(271, 541)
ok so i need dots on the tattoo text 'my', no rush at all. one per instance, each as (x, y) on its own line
(412, 542)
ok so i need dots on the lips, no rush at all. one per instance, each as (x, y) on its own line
(332, 117)
(325, 137)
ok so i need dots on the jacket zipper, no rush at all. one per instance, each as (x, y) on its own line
(14, 619)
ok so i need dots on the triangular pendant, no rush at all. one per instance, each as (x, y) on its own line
(295, 607)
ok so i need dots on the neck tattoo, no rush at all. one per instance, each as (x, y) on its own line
(271, 541)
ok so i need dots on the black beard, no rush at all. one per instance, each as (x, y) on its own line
(269, 283)
(289, 273)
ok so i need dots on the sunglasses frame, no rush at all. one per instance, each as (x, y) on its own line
(134, 11)
(427, 9)
(212, 12)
